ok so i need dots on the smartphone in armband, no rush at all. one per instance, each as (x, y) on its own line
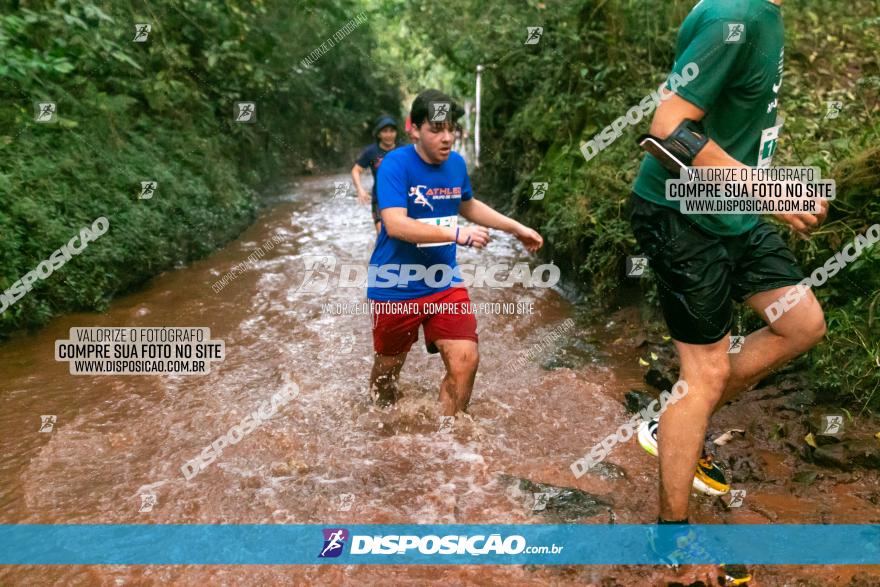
(667, 158)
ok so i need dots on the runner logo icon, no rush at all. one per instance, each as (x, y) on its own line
(635, 266)
(539, 189)
(341, 189)
(737, 496)
(420, 197)
(148, 188)
(833, 424)
(334, 541)
(47, 423)
(316, 277)
(534, 34)
(735, 32)
(141, 32)
(148, 500)
(46, 111)
(834, 108)
(439, 111)
(245, 112)
(736, 344)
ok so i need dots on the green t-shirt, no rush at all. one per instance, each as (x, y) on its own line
(738, 47)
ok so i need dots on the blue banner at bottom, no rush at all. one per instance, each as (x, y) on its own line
(480, 544)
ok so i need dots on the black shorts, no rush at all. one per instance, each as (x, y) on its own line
(700, 274)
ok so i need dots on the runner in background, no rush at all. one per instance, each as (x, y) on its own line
(385, 133)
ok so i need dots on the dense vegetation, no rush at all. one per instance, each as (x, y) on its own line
(595, 60)
(162, 110)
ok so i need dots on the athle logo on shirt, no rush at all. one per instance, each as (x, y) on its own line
(434, 193)
(421, 194)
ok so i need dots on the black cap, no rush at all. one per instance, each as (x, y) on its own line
(382, 122)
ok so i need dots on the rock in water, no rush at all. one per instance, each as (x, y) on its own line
(800, 399)
(663, 371)
(849, 454)
(560, 504)
(573, 355)
(607, 471)
(637, 400)
(661, 376)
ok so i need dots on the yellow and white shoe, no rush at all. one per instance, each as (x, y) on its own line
(732, 575)
(709, 477)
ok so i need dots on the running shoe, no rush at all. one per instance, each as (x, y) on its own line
(662, 546)
(676, 545)
(709, 477)
(732, 575)
(648, 435)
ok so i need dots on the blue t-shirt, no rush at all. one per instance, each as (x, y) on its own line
(430, 194)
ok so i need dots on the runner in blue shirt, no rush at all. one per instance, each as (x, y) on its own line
(422, 188)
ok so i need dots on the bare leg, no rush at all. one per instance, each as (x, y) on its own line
(705, 369)
(794, 333)
(383, 378)
(461, 358)
(711, 372)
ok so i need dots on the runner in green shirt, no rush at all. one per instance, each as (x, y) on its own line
(737, 88)
(703, 263)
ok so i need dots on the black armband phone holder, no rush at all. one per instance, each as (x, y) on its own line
(680, 148)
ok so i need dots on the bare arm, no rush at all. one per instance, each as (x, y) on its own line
(362, 195)
(400, 226)
(479, 213)
(675, 110)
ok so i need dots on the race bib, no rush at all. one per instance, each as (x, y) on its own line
(769, 140)
(447, 221)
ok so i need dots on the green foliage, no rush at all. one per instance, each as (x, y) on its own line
(595, 60)
(163, 110)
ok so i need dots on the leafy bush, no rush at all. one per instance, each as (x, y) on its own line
(162, 110)
(597, 59)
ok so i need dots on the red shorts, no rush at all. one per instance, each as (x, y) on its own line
(444, 315)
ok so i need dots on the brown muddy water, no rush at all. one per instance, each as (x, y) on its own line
(329, 457)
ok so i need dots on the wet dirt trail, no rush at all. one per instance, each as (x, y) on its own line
(329, 457)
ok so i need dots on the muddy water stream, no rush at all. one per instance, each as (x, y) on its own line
(329, 457)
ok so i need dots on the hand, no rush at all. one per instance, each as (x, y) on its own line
(473, 236)
(363, 197)
(802, 223)
(823, 211)
(528, 237)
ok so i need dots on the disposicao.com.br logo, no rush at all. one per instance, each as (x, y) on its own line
(393, 544)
